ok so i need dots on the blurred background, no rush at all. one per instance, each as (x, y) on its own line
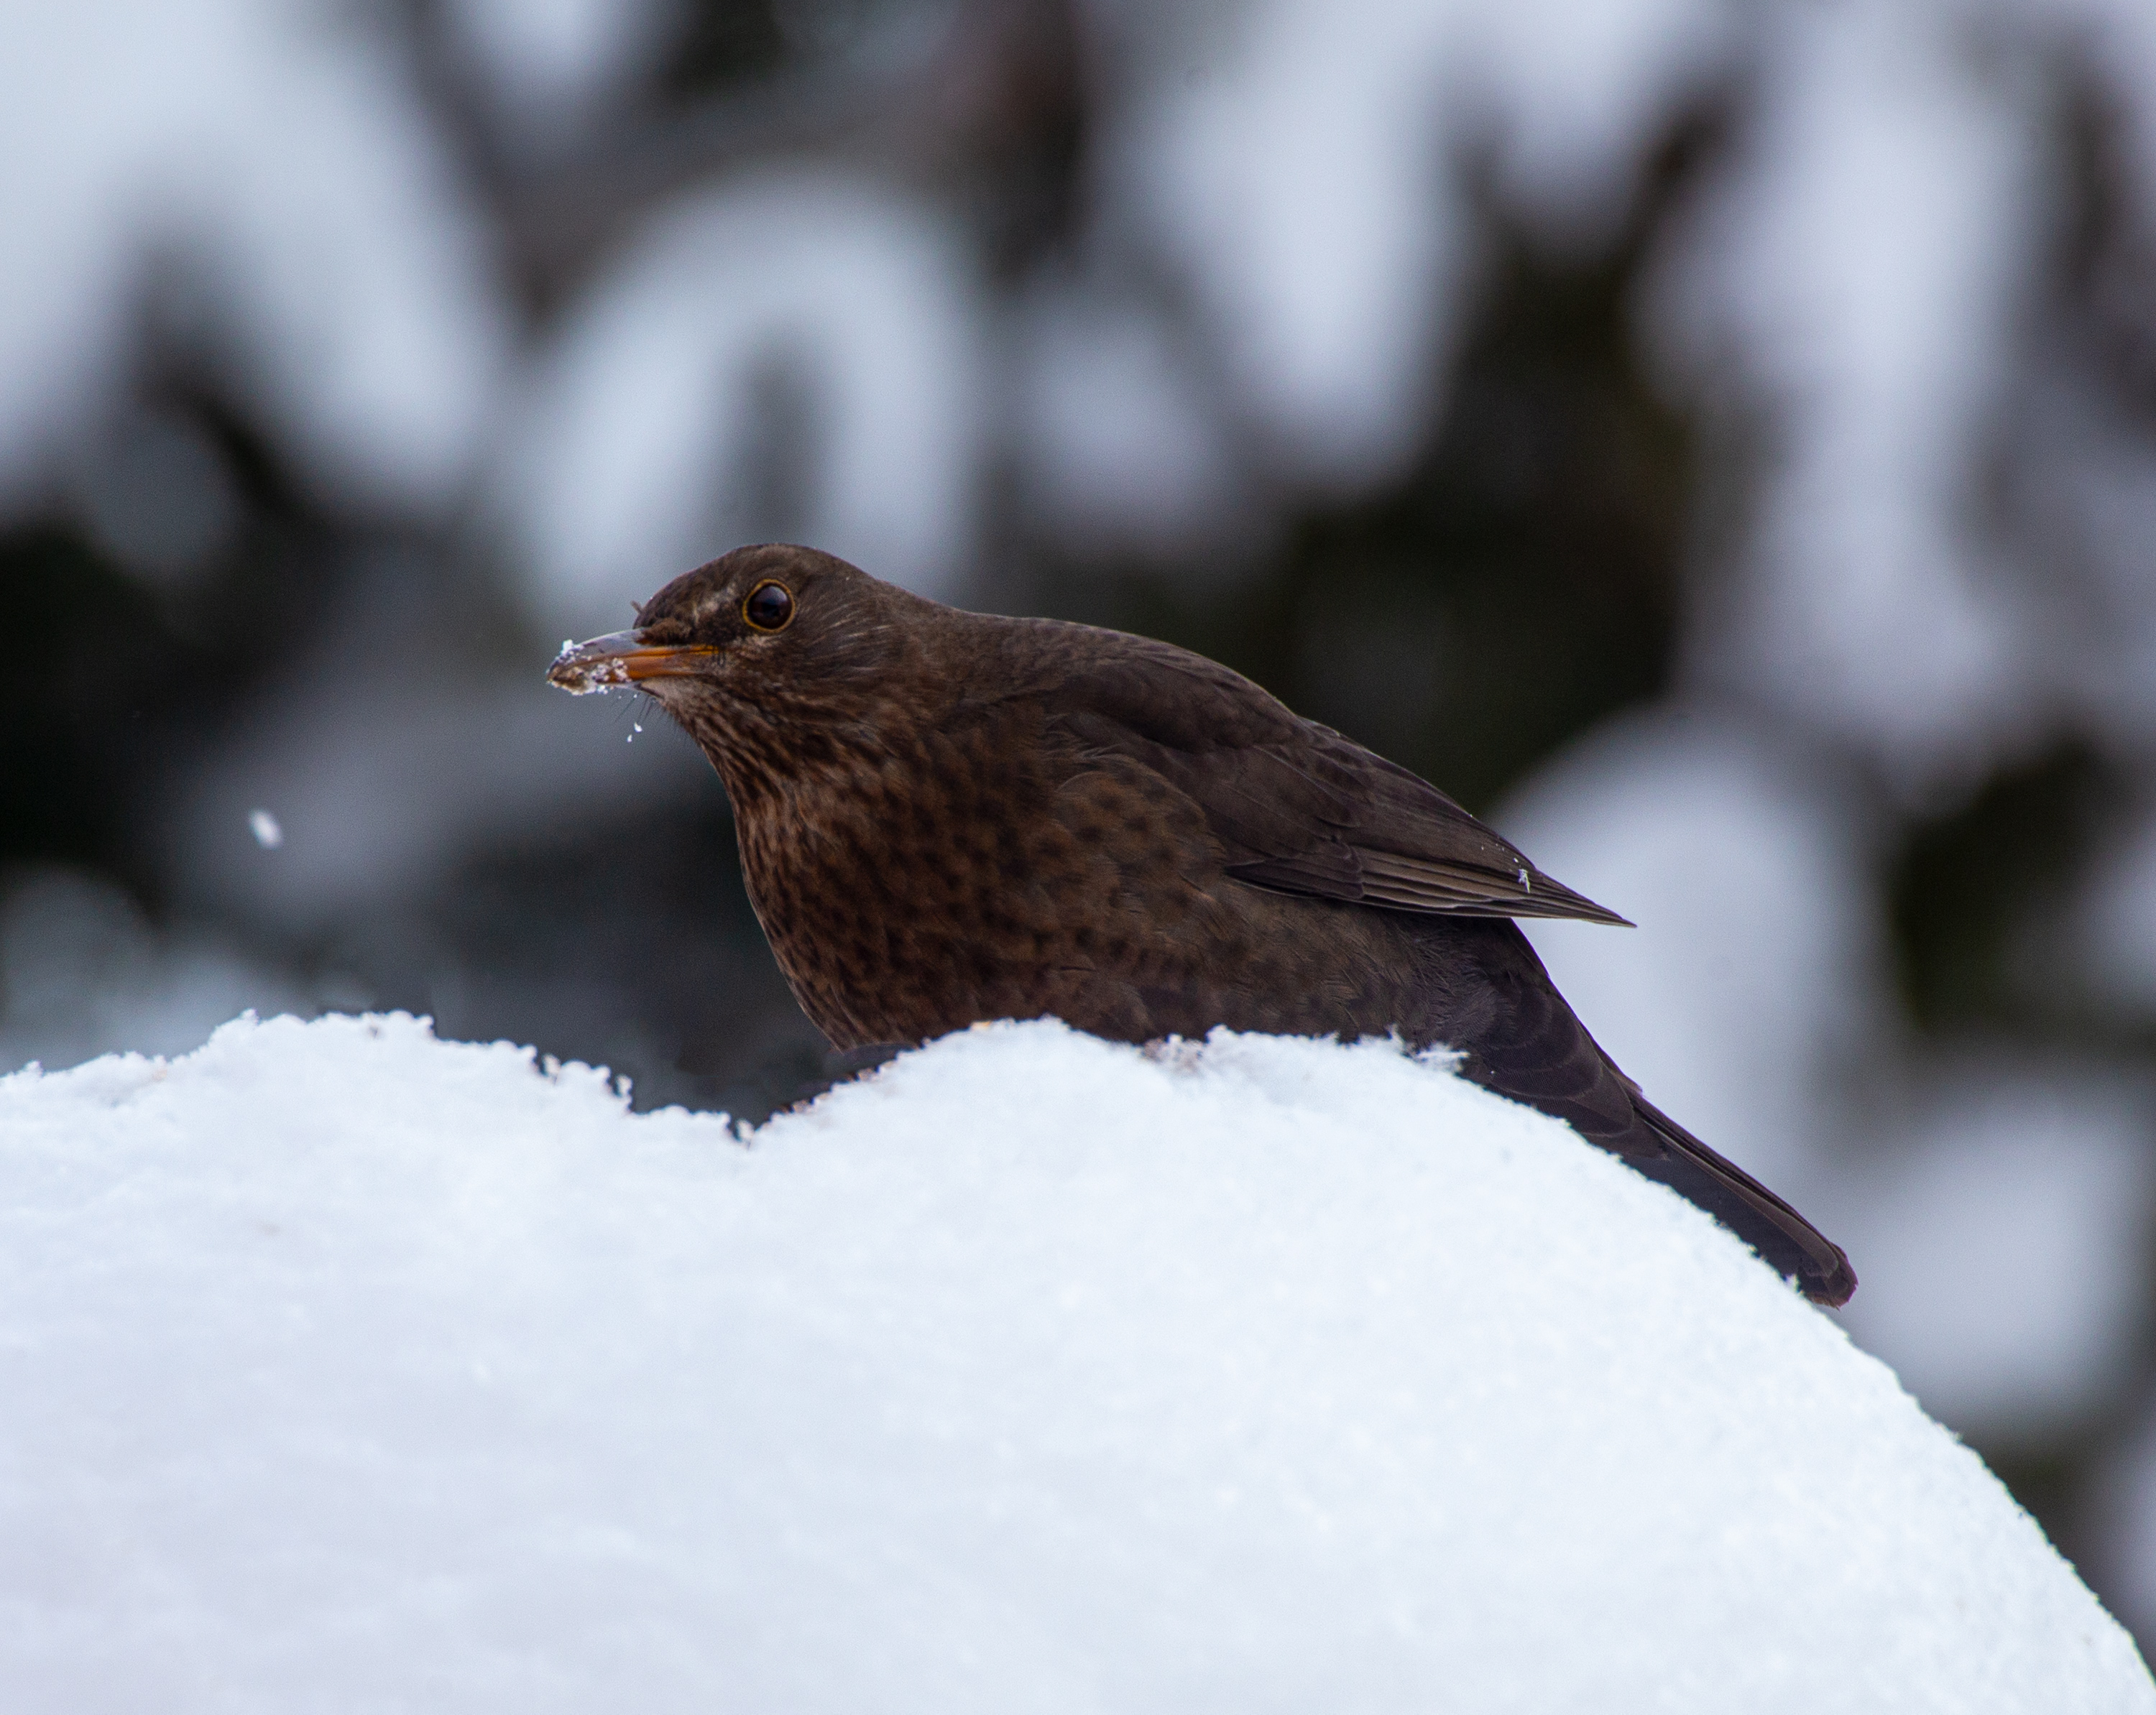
(1716, 442)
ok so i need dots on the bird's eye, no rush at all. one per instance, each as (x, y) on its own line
(769, 606)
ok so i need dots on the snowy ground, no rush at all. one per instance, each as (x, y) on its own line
(341, 1368)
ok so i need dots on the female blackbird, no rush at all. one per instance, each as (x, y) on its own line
(946, 817)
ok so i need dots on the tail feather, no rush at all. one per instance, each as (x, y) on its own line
(1532, 1047)
(1787, 1241)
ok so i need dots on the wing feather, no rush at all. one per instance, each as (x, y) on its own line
(1297, 806)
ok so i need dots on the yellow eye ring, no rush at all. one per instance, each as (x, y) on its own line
(768, 607)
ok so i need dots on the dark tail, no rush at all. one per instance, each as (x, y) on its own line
(1522, 1040)
(1791, 1243)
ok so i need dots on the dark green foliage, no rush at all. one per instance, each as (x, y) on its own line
(114, 683)
(721, 43)
(1971, 891)
(1519, 584)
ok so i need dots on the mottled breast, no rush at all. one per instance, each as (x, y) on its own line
(985, 869)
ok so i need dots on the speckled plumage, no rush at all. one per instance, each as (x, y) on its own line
(947, 816)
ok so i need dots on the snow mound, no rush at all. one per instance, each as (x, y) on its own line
(344, 1367)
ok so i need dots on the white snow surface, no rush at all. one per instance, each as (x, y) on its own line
(341, 1367)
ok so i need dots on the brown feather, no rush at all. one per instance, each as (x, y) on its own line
(948, 816)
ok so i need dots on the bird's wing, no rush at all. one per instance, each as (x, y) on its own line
(1298, 807)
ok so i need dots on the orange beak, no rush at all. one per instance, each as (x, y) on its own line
(621, 658)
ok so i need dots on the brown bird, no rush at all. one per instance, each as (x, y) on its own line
(948, 816)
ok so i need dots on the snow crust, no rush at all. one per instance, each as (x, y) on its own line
(341, 1367)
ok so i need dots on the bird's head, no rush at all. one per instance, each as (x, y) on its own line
(774, 659)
